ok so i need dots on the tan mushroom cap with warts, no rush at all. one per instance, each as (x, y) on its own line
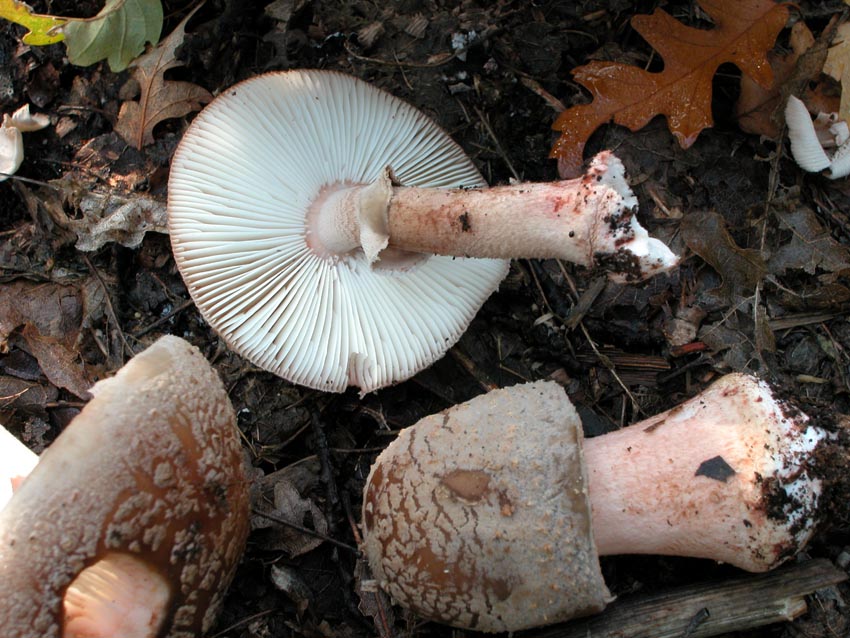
(479, 516)
(243, 181)
(148, 479)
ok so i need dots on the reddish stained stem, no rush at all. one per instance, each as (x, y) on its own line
(722, 476)
(588, 221)
(559, 219)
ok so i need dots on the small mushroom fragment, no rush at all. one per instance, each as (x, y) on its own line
(133, 520)
(810, 139)
(492, 515)
(11, 140)
(16, 462)
(333, 242)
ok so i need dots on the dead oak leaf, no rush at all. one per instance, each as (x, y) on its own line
(811, 246)
(741, 268)
(160, 99)
(630, 96)
(837, 65)
(797, 73)
(60, 364)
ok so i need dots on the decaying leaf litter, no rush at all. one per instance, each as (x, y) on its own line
(87, 276)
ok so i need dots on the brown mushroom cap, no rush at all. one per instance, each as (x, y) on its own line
(151, 470)
(487, 527)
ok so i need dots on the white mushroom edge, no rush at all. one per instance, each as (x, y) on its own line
(11, 138)
(809, 139)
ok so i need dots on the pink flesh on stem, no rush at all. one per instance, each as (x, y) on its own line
(588, 221)
(722, 476)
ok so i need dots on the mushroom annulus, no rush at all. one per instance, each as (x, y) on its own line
(133, 520)
(492, 515)
(336, 236)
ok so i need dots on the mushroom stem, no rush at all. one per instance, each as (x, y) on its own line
(588, 221)
(721, 476)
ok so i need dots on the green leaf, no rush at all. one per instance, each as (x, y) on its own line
(118, 33)
(42, 28)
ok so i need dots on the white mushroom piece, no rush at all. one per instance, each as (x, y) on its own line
(492, 515)
(12, 140)
(133, 521)
(811, 139)
(336, 236)
(16, 462)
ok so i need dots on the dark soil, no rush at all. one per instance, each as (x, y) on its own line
(621, 351)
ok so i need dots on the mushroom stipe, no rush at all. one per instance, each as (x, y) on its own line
(492, 514)
(336, 236)
(132, 522)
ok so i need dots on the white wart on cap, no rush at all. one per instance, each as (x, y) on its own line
(242, 182)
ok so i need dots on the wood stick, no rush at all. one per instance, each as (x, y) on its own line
(708, 609)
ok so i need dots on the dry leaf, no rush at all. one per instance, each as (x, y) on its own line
(630, 96)
(811, 246)
(119, 219)
(26, 395)
(160, 99)
(59, 364)
(281, 496)
(756, 103)
(56, 310)
(740, 268)
(798, 73)
(837, 65)
(287, 580)
(374, 601)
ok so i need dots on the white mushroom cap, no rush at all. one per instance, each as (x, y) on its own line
(242, 182)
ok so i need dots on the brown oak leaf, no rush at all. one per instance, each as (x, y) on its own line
(630, 96)
(160, 99)
(760, 110)
(810, 248)
(741, 268)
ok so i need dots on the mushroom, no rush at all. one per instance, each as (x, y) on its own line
(492, 515)
(16, 462)
(133, 520)
(11, 140)
(342, 238)
(809, 139)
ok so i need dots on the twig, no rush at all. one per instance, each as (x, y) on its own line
(733, 606)
(605, 361)
(326, 475)
(444, 59)
(164, 318)
(109, 307)
(303, 530)
(245, 621)
(483, 118)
